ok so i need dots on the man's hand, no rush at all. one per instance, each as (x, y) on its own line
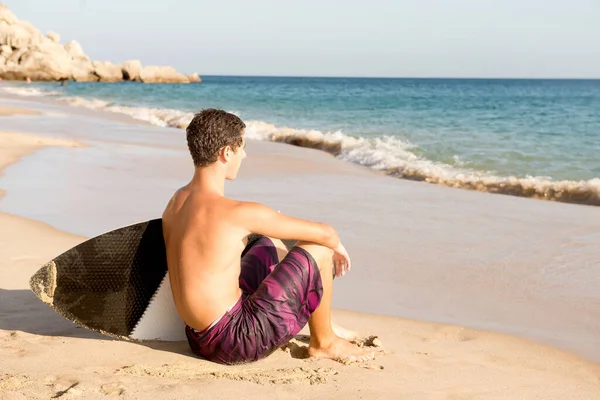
(341, 261)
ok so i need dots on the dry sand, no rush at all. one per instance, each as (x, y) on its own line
(44, 356)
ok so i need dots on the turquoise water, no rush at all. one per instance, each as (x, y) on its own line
(533, 138)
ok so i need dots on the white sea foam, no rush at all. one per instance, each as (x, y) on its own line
(387, 154)
(156, 116)
(27, 91)
(94, 104)
(394, 157)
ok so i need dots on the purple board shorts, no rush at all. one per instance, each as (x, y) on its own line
(277, 300)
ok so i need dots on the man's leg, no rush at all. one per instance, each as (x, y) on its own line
(282, 250)
(323, 340)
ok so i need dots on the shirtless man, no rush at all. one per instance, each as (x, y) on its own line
(239, 300)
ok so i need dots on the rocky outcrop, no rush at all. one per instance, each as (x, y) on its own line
(194, 77)
(131, 70)
(75, 51)
(55, 37)
(26, 53)
(155, 74)
(107, 71)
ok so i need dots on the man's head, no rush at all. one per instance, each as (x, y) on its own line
(216, 136)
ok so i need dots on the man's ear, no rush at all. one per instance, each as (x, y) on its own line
(225, 153)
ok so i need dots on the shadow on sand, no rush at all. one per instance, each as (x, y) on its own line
(21, 310)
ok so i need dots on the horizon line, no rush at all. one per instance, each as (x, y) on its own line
(399, 77)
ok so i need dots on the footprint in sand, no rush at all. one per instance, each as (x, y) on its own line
(279, 376)
(7, 344)
(296, 349)
(6, 336)
(112, 389)
(10, 382)
(13, 351)
(298, 346)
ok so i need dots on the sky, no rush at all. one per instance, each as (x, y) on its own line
(369, 38)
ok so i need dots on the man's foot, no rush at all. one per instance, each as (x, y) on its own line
(343, 332)
(341, 350)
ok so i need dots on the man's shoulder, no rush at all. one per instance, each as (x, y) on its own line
(240, 210)
(240, 206)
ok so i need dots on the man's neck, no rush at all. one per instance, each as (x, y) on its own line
(208, 180)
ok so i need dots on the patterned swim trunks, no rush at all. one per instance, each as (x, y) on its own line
(277, 300)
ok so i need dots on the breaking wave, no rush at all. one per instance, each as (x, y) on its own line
(156, 116)
(393, 157)
(389, 155)
(29, 92)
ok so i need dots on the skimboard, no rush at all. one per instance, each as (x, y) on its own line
(117, 284)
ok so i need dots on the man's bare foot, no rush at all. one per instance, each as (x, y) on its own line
(343, 332)
(341, 350)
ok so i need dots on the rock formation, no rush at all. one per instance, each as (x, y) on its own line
(26, 53)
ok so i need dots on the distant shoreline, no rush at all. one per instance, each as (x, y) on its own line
(397, 78)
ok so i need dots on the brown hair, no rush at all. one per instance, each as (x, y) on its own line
(209, 131)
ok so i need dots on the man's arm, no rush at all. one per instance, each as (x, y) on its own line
(258, 218)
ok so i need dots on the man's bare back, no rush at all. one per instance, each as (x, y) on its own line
(204, 248)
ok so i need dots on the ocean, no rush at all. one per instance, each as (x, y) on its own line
(529, 138)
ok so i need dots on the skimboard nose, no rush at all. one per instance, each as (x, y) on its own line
(43, 283)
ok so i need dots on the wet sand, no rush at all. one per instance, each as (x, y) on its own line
(4, 111)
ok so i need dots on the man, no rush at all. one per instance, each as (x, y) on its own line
(239, 300)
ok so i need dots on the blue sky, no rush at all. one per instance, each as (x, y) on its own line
(395, 38)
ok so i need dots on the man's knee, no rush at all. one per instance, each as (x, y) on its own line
(322, 255)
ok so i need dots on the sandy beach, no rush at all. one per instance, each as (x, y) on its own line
(16, 111)
(507, 282)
